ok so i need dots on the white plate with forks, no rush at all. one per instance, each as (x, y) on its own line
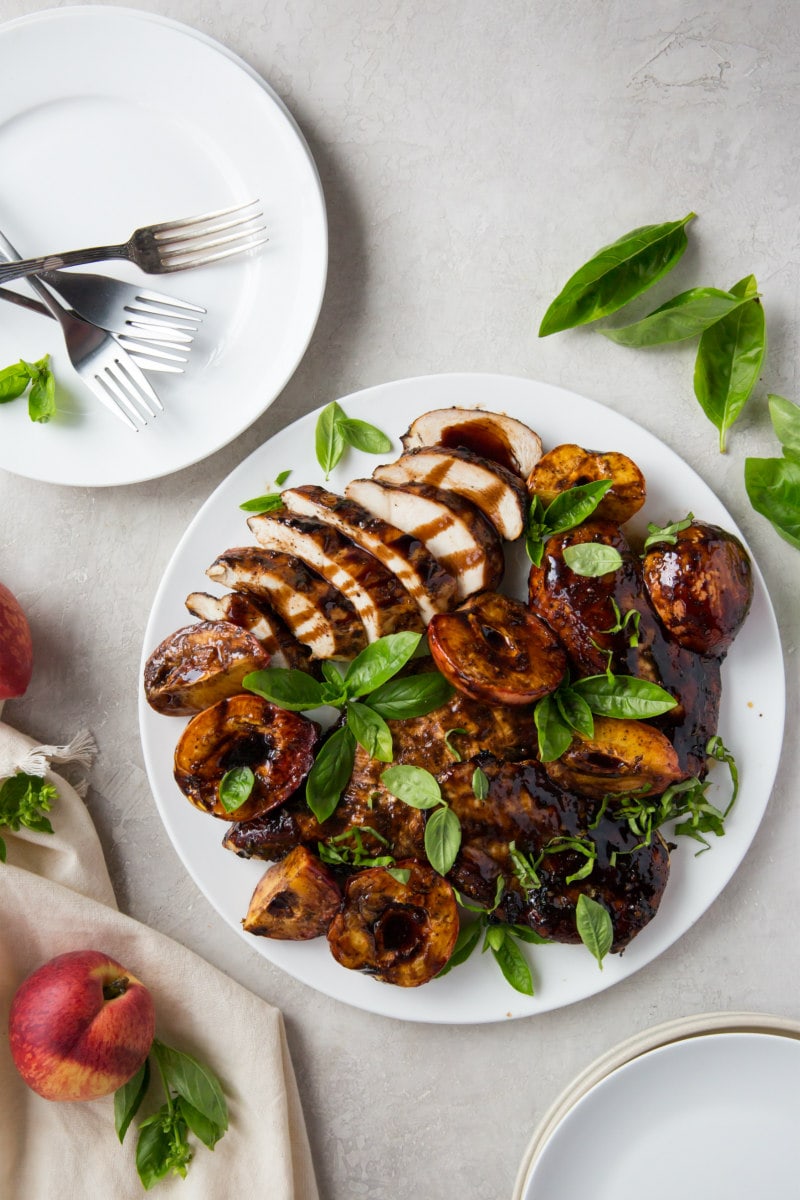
(129, 119)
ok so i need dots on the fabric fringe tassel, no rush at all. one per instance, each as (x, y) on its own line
(80, 752)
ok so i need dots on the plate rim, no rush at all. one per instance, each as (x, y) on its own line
(108, 15)
(444, 380)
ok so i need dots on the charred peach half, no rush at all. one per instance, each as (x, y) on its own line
(200, 664)
(621, 756)
(569, 466)
(296, 899)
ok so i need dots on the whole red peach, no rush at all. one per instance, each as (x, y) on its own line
(16, 647)
(80, 1026)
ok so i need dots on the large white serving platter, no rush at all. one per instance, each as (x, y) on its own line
(751, 717)
(111, 119)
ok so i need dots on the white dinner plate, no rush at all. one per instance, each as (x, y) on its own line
(751, 716)
(111, 119)
(702, 1117)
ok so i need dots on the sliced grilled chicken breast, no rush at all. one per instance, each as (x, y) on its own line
(499, 494)
(316, 613)
(452, 529)
(429, 585)
(379, 599)
(501, 439)
(257, 618)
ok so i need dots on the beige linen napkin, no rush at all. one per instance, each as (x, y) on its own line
(56, 895)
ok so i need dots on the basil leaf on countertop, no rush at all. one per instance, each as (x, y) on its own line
(617, 274)
(413, 785)
(330, 773)
(729, 360)
(235, 787)
(594, 927)
(442, 839)
(591, 559)
(773, 488)
(785, 417)
(287, 687)
(379, 661)
(370, 731)
(684, 316)
(623, 696)
(411, 696)
(329, 441)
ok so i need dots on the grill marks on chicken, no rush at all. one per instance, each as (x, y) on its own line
(257, 618)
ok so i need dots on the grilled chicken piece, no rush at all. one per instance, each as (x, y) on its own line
(497, 493)
(294, 900)
(701, 587)
(570, 466)
(621, 756)
(316, 613)
(381, 602)
(244, 731)
(200, 664)
(400, 933)
(501, 439)
(581, 613)
(451, 528)
(427, 582)
(525, 807)
(495, 649)
(258, 619)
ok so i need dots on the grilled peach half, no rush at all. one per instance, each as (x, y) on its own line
(568, 466)
(200, 664)
(494, 649)
(296, 899)
(244, 731)
(622, 756)
(401, 933)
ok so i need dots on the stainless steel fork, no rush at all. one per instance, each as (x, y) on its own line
(102, 363)
(160, 249)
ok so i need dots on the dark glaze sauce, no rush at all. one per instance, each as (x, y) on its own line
(481, 438)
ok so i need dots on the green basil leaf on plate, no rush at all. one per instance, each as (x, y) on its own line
(413, 785)
(42, 396)
(512, 963)
(555, 735)
(623, 696)
(575, 711)
(480, 784)
(287, 687)
(773, 489)
(330, 773)
(468, 938)
(729, 360)
(594, 927)
(329, 441)
(666, 533)
(370, 731)
(616, 275)
(685, 316)
(13, 381)
(411, 696)
(592, 559)
(379, 661)
(574, 505)
(263, 504)
(235, 787)
(363, 436)
(442, 839)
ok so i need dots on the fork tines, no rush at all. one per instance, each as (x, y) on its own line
(195, 241)
(124, 388)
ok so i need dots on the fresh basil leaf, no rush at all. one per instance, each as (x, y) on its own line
(370, 731)
(3, 851)
(591, 559)
(24, 800)
(623, 696)
(329, 440)
(535, 531)
(379, 661)
(442, 839)
(42, 396)
(684, 316)
(162, 1147)
(363, 436)
(263, 504)
(401, 874)
(574, 505)
(587, 849)
(729, 360)
(717, 750)
(480, 784)
(330, 773)
(667, 533)
(555, 735)
(194, 1081)
(524, 868)
(413, 785)
(773, 489)
(235, 787)
(511, 962)
(280, 480)
(616, 275)
(128, 1099)
(785, 418)
(288, 688)
(529, 935)
(448, 735)
(594, 927)
(206, 1130)
(13, 381)
(411, 696)
(575, 711)
(467, 940)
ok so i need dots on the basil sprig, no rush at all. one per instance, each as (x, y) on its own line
(570, 708)
(269, 502)
(335, 852)
(195, 1103)
(16, 379)
(567, 510)
(685, 316)
(666, 533)
(335, 431)
(729, 359)
(369, 696)
(501, 939)
(616, 275)
(773, 484)
(593, 922)
(24, 801)
(419, 789)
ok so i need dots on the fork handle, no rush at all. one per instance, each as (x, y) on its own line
(8, 252)
(21, 268)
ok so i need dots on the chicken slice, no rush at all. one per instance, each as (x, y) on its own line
(318, 615)
(257, 618)
(379, 599)
(430, 586)
(499, 494)
(451, 528)
(495, 436)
